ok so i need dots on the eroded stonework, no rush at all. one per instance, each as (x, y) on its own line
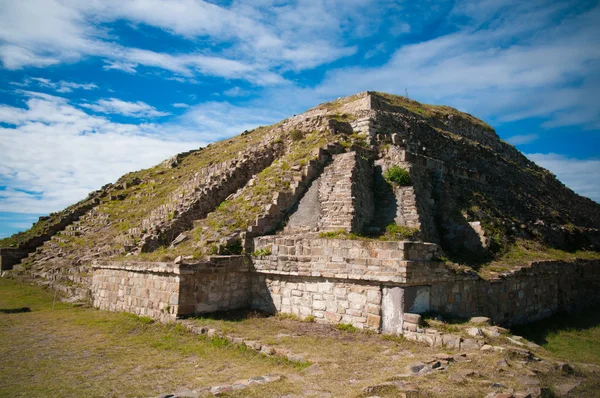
(302, 209)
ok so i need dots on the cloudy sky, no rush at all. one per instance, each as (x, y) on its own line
(90, 90)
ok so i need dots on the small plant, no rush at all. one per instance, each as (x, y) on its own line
(296, 135)
(310, 318)
(398, 175)
(212, 249)
(346, 327)
(332, 234)
(217, 341)
(400, 232)
(232, 248)
(261, 252)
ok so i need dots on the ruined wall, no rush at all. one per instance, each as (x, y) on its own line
(526, 295)
(373, 260)
(164, 290)
(219, 284)
(147, 289)
(331, 301)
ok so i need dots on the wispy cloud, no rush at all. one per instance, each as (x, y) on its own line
(133, 109)
(258, 41)
(581, 175)
(522, 139)
(63, 86)
(74, 153)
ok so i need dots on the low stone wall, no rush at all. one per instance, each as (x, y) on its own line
(165, 291)
(529, 294)
(147, 289)
(223, 283)
(331, 301)
(399, 262)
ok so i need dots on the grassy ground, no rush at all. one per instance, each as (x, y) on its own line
(60, 350)
(574, 337)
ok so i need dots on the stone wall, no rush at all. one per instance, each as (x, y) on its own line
(165, 291)
(146, 289)
(372, 260)
(529, 294)
(219, 284)
(326, 300)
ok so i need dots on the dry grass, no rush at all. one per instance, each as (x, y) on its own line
(71, 352)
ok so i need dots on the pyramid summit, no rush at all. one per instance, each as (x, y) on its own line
(362, 210)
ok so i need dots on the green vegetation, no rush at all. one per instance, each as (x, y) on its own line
(66, 351)
(75, 352)
(428, 111)
(261, 252)
(398, 175)
(571, 337)
(392, 232)
(296, 135)
(400, 232)
(346, 327)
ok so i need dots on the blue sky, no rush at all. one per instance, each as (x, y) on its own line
(90, 90)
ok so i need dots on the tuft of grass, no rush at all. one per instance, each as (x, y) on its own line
(398, 175)
(261, 252)
(400, 232)
(346, 327)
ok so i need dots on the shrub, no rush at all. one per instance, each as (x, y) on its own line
(398, 175)
(296, 135)
(400, 232)
(261, 253)
(346, 327)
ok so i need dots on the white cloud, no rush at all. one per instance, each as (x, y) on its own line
(218, 120)
(128, 67)
(133, 109)
(64, 153)
(63, 86)
(522, 139)
(180, 105)
(519, 64)
(581, 175)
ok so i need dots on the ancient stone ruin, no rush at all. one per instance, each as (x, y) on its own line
(358, 211)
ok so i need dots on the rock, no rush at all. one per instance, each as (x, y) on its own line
(178, 260)
(456, 378)
(496, 385)
(528, 381)
(491, 332)
(522, 394)
(475, 332)
(565, 368)
(487, 347)
(416, 367)
(179, 239)
(413, 318)
(502, 363)
(444, 357)
(468, 373)
(515, 341)
(470, 344)
(565, 388)
(480, 319)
